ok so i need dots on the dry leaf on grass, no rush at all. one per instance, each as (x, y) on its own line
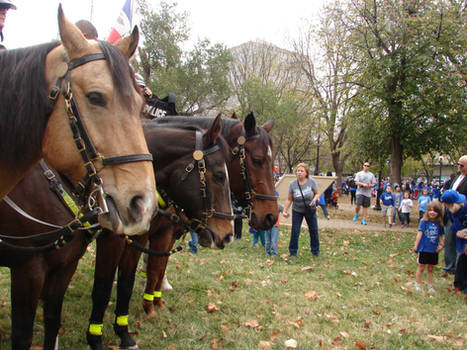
(224, 329)
(291, 343)
(252, 324)
(436, 337)
(307, 268)
(311, 295)
(337, 342)
(212, 307)
(164, 335)
(360, 345)
(344, 334)
(263, 344)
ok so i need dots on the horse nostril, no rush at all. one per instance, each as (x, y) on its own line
(136, 208)
(270, 220)
(228, 238)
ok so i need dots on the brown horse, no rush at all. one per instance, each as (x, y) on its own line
(76, 105)
(251, 180)
(180, 177)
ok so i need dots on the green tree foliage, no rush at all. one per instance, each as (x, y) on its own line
(199, 77)
(410, 58)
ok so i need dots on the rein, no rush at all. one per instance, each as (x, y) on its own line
(249, 193)
(83, 142)
(64, 233)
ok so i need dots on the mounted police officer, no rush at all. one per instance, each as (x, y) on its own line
(155, 107)
(5, 5)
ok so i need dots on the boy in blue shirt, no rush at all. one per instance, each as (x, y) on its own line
(387, 204)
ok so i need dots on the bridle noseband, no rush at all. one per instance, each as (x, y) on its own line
(88, 152)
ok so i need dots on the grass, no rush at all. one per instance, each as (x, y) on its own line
(358, 294)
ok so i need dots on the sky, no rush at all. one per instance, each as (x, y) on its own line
(230, 22)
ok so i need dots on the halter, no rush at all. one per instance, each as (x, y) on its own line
(89, 154)
(249, 193)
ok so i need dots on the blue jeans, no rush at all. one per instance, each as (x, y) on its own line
(398, 213)
(259, 234)
(272, 236)
(193, 244)
(405, 218)
(312, 223)
(325, 210)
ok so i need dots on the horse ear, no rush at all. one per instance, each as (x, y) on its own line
(72, 38)
(268, 125)
(234, 116)
(129, 43)
(214, 131)
(250, 124)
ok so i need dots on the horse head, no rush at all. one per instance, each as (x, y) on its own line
(259, 174)
(98, 88)
(203, 187)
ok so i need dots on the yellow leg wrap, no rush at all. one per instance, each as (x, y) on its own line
(157, 294)
(122, 320)
(95, 329)
(143, 274)
(148, 297)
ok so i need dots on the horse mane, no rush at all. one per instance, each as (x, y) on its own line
(122, 74)
(23, 102)
(206, 122)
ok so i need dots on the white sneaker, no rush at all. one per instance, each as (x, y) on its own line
(431, 289)
(418, 287)
(165, 284)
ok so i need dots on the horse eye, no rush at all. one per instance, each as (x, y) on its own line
(257, 162)
(96, 98)
(219, 177)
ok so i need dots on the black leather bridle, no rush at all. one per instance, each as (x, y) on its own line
(89, 154)
(240, 151)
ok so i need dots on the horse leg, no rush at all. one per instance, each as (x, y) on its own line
(54, 293)
(125, 283)
(109, 251)
(26, 287)
(162, 242)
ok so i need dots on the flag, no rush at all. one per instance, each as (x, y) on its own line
(123, 25)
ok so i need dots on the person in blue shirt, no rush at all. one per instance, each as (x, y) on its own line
(429, 242)
(456, 204)
(423, 201)
(387, 204)
(436, 191)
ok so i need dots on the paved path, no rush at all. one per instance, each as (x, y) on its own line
(349, 224)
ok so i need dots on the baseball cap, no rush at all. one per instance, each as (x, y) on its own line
(452, 196)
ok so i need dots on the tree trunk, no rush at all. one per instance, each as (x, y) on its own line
(396, 159)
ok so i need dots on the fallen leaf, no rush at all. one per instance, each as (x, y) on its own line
(346, 243)
(367, 324)
(224, 329)
(212, 307)
(306, 268)
(252, 324)
(284, 281)
(344, 334)
(359, 345)
(436, 337)
(377, 312)
(263, 344)
(337, 342)
(214, 345)
(164, 335)
(311, 295)
(291, 343)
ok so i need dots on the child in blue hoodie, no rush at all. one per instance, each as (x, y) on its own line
(387, 204)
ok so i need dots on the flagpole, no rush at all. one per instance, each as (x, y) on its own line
(92, 12)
